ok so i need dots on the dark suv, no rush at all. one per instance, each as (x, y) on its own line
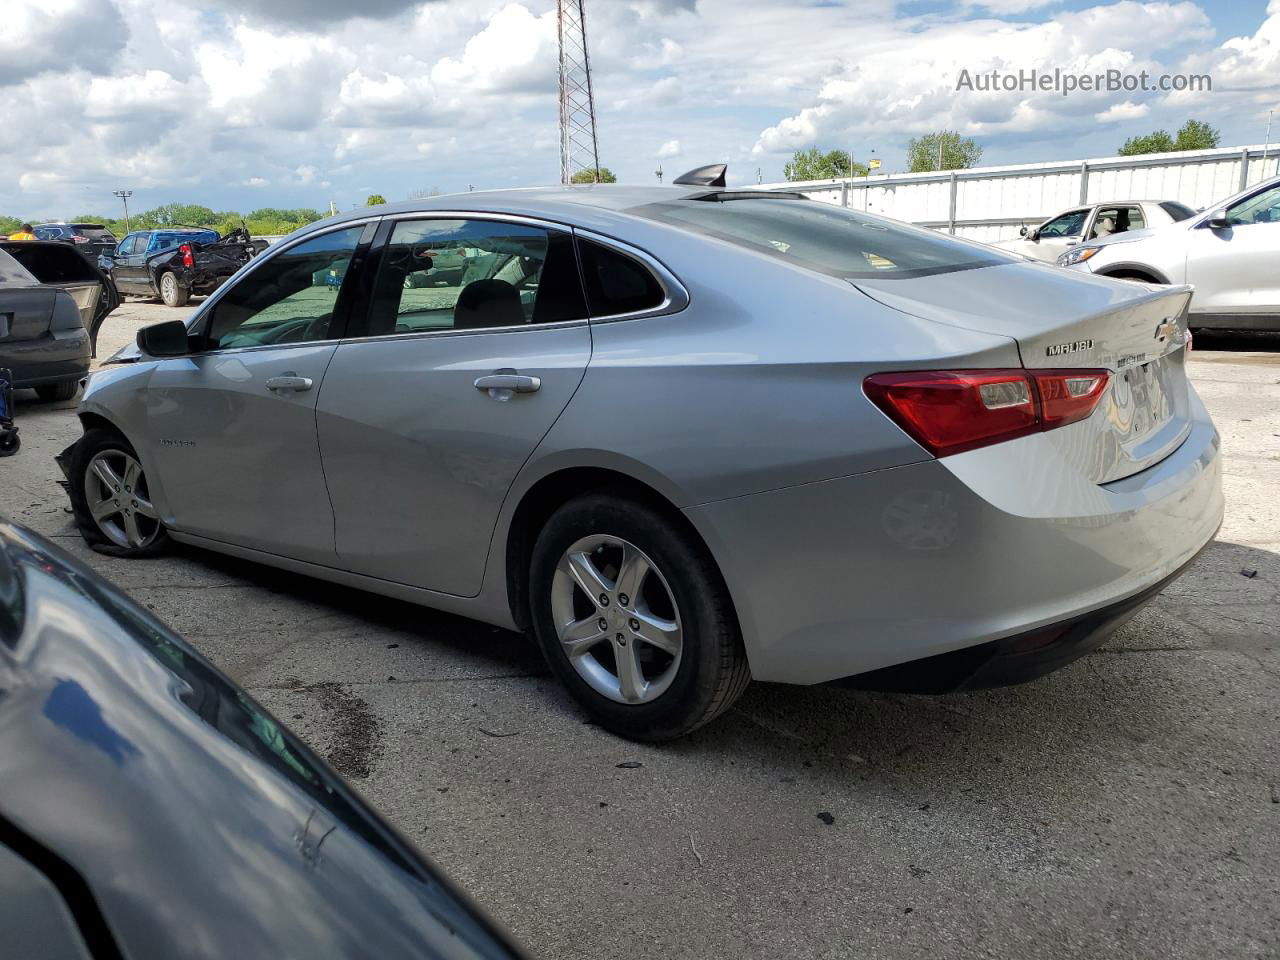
(91, 239)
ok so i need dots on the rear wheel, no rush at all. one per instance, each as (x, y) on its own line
(111, 498)
(53, 392)
(634, 619)
(173, 293)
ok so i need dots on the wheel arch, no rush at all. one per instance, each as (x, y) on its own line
(557, 487)
(1134, 271)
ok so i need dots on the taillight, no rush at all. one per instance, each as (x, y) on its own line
(950, 411)
(75, 238)
(188, 260)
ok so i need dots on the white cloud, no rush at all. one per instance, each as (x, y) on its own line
(1123, 111)
(243, 103)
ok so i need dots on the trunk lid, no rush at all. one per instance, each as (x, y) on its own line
(1066, 320)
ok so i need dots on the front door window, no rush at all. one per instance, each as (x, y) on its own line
(289, 298)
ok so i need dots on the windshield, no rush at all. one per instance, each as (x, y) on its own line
(823, 237)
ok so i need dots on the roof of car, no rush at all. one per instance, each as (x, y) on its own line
(591, 205)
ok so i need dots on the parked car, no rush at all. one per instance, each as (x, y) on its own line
(149, 808)
(754, 436)
(52, 303)
(10, 442)
(91, 239)
(1231, 253)
(176, 264)
(1091, 222)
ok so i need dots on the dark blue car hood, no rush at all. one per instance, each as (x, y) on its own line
(203, 827)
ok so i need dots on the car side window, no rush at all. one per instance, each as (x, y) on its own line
(1070, 224)
(1116, 220)
(1262, 207)
(616, 283)
(288, 298)
(473, 274)
(128, 245)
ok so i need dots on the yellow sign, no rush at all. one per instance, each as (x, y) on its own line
(873, 163)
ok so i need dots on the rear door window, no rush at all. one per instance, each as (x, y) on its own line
(473, 274)
(1177, 211)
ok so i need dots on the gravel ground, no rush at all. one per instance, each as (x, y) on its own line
(1126, 806)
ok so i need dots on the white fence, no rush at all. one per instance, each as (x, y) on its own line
(991, 203)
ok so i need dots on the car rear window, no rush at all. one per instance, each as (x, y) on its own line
(14, 274)
(1177, 211)
(97, 233)
(167, 239)
(830, 239)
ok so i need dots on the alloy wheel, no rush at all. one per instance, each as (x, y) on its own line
(617, 619)
(119, 501)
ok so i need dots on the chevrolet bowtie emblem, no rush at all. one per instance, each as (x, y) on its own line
(1168, 328)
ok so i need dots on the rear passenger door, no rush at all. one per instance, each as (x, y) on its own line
(475, 339)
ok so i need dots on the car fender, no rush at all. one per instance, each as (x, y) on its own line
(117, 394)
(1126, 265)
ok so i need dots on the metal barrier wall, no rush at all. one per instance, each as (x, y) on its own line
(991, 203)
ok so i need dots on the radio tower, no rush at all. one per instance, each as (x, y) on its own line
(578, 148)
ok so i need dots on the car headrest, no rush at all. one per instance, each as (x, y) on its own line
(488, 303)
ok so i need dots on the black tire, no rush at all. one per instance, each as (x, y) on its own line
(712, 671)
(55, 392)
(172, 292)
(94, 442)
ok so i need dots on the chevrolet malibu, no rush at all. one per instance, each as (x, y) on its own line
(686, 436)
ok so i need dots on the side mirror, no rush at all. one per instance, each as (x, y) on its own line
(168, 339)
(1218, 221)
(1023, 232)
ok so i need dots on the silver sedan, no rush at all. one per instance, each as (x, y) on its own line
(685, 436)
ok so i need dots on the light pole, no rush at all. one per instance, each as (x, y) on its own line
(124, 195)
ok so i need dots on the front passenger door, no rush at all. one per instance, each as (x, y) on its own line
(233, 426)
(1236, 269)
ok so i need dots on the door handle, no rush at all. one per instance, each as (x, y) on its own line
(289, 382)
(501, 384)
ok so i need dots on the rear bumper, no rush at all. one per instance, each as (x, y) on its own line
(1011, 660)
(53, 358)
(855, 574)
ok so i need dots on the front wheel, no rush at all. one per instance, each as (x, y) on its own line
(634, 619)
(111, 498)
(172, 292)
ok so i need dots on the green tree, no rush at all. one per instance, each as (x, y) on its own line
(1158, 141)
(1192, 135)
(375, 199)
(589, 176)
(956, 152)
(813, 164)
(1196, 135)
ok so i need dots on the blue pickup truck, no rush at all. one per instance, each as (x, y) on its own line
(175, 264)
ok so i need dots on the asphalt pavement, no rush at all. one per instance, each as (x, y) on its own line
(1126, 806)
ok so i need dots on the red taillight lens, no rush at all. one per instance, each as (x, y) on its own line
(188, 260)
(1068, 395)
(950, 411)
(76, 238)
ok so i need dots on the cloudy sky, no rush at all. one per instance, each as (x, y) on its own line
(251, 103)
